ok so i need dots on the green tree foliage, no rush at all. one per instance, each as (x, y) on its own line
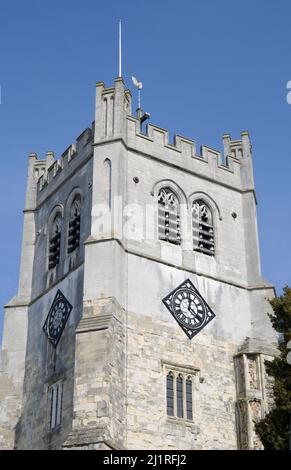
(274, 428)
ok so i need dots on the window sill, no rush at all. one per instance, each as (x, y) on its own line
(180, 420)
(186, 423)
(55, 431)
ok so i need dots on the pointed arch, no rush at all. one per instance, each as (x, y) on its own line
(171, 185)
(207, 199)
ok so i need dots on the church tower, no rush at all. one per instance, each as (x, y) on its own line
(140, 320)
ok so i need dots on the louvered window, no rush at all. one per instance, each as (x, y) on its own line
(55, 242)
(203, 231)
(169, 217)
(74, 226)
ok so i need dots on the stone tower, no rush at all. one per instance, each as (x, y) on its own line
(140, 320)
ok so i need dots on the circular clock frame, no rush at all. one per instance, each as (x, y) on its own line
(189, 308)
(57, 319)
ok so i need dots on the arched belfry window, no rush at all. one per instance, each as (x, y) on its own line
(203, 230)
(55, 241)
(74, 225)
(169, 216)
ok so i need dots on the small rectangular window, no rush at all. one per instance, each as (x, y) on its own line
(56, 391)
(179, 392)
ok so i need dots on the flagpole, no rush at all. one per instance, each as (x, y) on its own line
(119, 49)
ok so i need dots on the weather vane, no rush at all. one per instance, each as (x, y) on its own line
(139, 87)
(142, 117)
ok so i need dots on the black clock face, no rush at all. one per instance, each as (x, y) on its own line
(57, 318)
(188, 308)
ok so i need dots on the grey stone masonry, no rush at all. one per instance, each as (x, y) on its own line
(103, 383)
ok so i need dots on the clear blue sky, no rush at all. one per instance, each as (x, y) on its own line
(208, 67)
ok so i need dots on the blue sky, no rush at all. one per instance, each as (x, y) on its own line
(209, 67)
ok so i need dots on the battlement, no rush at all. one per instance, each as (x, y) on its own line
(233, 161)
(47, 170)
(233, 149)
(113, 108)
(114, 120)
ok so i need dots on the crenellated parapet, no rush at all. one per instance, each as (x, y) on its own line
(233, 149)
(232, 166)
(114, 120)
(46, 171)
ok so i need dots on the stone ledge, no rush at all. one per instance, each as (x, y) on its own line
(258, 346)
(99, 322)
(89, 436)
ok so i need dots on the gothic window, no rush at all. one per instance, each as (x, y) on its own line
(74, 225)
(179, 395)
(203, 231)
(56, 398)
(168, 216)
(55, 242)
(170, 394)
(179, 383)
(189, 405)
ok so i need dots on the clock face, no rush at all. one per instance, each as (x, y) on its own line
(57, 318)
(188, 308)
